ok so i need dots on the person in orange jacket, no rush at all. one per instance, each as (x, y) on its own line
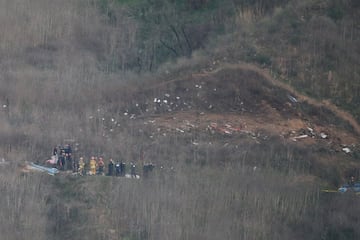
(101, 165)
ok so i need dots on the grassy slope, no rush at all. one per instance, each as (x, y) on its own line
(66, 66)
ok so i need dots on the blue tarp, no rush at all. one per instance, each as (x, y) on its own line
(50, 171)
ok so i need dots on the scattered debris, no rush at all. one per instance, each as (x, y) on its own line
(3, 162)
(226, 128)
(323, 135)
(346, 150)
(300, 137)
(292, 99)
(195, 143)
(32, 167)
(132, 176)
(179, 130)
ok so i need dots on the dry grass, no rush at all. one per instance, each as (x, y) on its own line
(64, 67)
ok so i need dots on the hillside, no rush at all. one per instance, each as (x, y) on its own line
(248, 109)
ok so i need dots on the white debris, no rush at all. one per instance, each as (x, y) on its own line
(214, 89)
(227, 131)
(112, 119)
(91, 117)
(177, 97)
(3, 161)
(125, 113)
(4, 106)
(292, 99)
(346, 150)
(103, 119)
(155, 100)
(323, 135)
(137, 104)
(165, 101)
(167, 95)
(179, 130)
(300, 137)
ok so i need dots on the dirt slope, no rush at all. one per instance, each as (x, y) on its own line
(299, 96)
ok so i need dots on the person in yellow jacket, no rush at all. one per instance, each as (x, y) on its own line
(92, 166)
(81, 166)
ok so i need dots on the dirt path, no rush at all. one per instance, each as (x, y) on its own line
(300, 97)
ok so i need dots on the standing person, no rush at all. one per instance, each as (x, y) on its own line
(122, 169)
(81, 166)
(117, 169)
(68, 149)
(147, 168)
(61, 160)
(68, 161)
(352, 181)
(101, 165)
(133, 170)
(111, 167)
(75, 164)
(92, 166)
(55, 151)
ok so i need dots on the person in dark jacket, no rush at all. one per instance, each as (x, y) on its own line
(55, 151)
(122, 169)
(133, 170)
(110, 167)
(117, 169)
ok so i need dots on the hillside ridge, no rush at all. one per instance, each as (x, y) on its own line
(342, 114)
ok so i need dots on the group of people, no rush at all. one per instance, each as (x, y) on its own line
(63, 159)
(96, 166)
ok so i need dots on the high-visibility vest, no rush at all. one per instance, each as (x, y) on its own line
(93, 166)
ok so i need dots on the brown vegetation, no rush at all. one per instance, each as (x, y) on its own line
(222, 133)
